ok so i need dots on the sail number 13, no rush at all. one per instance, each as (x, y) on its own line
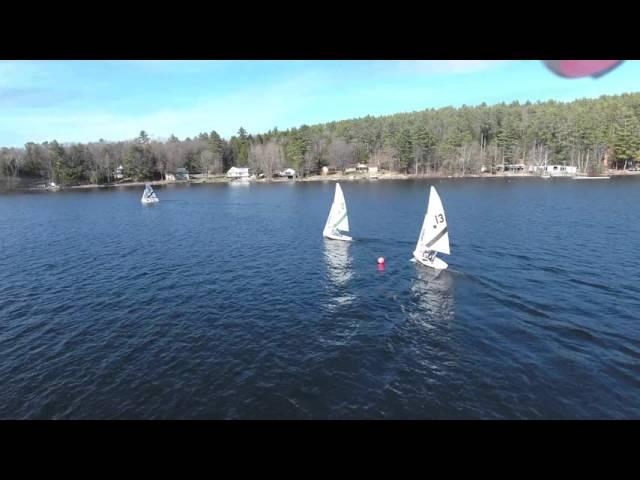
(439, 218)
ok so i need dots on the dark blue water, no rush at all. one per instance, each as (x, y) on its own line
(225, 302)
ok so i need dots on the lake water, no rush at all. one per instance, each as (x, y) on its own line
(225, 302)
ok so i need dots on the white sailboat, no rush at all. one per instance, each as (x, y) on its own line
(338, 220)
(149, 196)
(434, 236)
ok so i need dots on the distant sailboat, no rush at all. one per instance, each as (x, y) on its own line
(338, 220)
(434, 236)
(149, 196)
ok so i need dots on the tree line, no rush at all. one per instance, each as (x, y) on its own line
(584, 133)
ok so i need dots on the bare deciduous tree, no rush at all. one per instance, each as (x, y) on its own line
(175, 156)
(11, 161)
(340, 153)
(315, 155)
(205, 160)
(266, 158)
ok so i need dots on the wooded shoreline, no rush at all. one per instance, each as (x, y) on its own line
(588, 135)
(311, 178)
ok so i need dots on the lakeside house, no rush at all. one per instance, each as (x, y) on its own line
(553, 170)
(514, 168)
(238, 172)
(180, 175)
(118, 174)
(521, 168)
(560, 170)
(288, 172)
(358, 168)
(327, 170)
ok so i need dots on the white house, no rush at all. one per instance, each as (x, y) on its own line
(561, 170)
(182, 174)
(119, 173)
(236, 172)
(289, 172)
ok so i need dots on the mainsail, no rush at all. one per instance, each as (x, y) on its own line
(434, 236)
(149, 192)
(338, 220)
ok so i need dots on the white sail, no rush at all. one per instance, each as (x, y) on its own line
(149, 194)
(338, 220)
(434, 236)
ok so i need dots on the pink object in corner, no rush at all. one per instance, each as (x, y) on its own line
(582, 68)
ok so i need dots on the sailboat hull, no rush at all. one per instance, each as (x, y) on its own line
(338, 237)
(149, 200)
(437, 263)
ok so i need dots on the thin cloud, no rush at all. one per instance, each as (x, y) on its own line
(27, 97)
(257, 109)
(174, 66)
(448, 66)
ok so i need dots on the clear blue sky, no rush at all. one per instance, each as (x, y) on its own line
(81, 101)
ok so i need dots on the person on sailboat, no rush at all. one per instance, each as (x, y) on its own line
(429, 255)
